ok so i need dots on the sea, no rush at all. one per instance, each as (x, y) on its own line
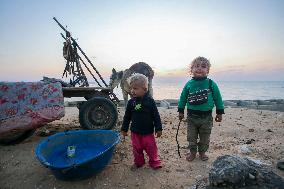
(230, 90)
(164, 88)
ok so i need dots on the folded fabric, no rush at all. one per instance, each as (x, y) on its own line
(27, 105)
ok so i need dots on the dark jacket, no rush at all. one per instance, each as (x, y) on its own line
(143, 114)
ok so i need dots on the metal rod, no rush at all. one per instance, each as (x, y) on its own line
(85, 65)
(73, 40)
(59, 24)
(90, 71)
(89, 61)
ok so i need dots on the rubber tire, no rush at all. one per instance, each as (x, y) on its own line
(18, 138)
(98, 113)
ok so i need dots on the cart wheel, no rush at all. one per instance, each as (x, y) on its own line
(15, 138)
(98, 113)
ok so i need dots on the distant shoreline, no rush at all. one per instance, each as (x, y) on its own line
(272, 104)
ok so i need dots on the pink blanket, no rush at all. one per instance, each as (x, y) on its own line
(27, 105)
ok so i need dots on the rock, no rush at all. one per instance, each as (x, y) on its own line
(269, 130)
(230, 103)
(236, 172)
(165, 104)
(250, 141)
(246, 103)
(280, 165)
(273, 107)
(173, 102)
(180, 170)
(278, 101)
(251, 130)
(265, 102)
(193, 187)
(251, 176)
(258, 162)
(226, 169)
(43, 132)
(200, 183)
(244, 149)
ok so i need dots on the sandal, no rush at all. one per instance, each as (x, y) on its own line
(157, 167)
(203, 156)
(190, 156)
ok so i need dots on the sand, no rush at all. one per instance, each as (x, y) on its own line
(262, 132)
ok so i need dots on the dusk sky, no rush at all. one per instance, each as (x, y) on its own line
(244, 39)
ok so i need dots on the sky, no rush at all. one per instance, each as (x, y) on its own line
(244, 39)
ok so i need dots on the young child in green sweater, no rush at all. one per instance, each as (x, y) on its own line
(200, 94)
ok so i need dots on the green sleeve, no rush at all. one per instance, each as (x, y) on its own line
(183, 98)
(218, 99)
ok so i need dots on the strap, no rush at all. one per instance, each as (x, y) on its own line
(211, 87)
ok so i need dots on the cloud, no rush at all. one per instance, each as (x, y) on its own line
(240, 72)
(172, 72)
(236, 68)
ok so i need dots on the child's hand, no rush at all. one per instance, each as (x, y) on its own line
(124, 134)
(218, 118)
(180, 116)
(158, 134)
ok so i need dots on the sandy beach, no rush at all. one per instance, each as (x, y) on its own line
(260, 131)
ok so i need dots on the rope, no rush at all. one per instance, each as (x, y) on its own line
(177, 139)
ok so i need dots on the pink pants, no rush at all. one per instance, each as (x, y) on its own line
(147, 143)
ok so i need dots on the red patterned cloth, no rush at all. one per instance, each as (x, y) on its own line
(27, 105)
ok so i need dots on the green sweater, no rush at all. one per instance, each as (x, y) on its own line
(196, 84)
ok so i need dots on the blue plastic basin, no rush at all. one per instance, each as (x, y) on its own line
(93, 151)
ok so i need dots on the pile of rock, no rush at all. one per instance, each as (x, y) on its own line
(273, 105)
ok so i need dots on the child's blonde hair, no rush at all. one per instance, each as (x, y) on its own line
(199, 59)
(138, 79)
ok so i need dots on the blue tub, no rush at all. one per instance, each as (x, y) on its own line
(93, 151)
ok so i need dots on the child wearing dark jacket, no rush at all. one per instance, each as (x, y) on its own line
(142, 113)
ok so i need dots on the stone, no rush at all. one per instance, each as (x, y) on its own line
(246, 103)
(230, 171)
(280, 165)
(244, 149)
(269, 130)
(265, 102)
(251, 130)
(230, 103)
(165, 104)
